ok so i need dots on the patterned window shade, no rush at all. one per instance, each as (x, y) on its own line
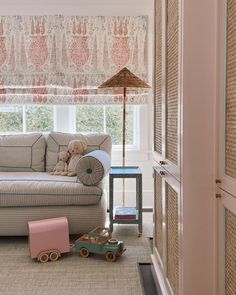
(230, 253)
(158, 215)
(172, 80)
(172, 238)
(230, 145)
(158, 80)
(63, 59)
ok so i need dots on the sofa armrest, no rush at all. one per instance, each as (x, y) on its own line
(93, 167)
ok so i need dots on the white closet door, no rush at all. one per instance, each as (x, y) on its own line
(158, 88)
(227, 97)
(168, 230)
(172, 111)
(226, 174)
(226, 244)
(167, 86)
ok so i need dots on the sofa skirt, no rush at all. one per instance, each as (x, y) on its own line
(14, 220)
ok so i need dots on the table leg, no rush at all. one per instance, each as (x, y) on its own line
(140, 213)
(111, 202)
(137, 193)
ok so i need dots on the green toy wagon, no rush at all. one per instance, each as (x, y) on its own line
(99, 241)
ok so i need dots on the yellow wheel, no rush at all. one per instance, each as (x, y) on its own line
(43, 257)
(84, 252)
(54, 256)
(110, 256)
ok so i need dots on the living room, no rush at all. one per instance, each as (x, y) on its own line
(117, 137)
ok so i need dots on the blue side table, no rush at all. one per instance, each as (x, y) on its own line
(126, 172)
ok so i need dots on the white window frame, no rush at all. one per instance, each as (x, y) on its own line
(24, 120)
(65, 121)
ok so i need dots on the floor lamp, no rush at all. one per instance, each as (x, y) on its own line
(124, 79)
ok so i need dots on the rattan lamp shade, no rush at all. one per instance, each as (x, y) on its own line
(124, 79)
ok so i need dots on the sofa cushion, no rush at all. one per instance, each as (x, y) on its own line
(20, 189)
(23, 152)
(58, 141)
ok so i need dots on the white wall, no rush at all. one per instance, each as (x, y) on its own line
(105, 7)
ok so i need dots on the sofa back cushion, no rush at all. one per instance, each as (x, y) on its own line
(23, 152)
(58, 141)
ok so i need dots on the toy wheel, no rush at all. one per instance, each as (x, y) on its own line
(84, 252)
(113, 241)
(54, 256)
(110, 256)
(43, 257)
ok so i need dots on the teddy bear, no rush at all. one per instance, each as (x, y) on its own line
(61, 166)
(76, 149)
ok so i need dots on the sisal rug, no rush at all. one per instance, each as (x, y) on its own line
(72, 274)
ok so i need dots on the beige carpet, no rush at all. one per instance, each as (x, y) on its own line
(19, 275)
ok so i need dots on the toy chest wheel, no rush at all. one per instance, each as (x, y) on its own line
(48, 237)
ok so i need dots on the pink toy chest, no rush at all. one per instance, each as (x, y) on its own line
(48, 234)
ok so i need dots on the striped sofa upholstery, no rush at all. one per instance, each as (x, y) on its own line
(29, 192)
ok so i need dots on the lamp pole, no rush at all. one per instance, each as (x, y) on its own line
(123, 144)
(124, 121)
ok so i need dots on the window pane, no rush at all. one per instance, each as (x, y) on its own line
(89, 118)
(11, 119)
(39, 118)
(114, 115)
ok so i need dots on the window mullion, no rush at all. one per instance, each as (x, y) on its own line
(104, 119)
(24, 118)
(136, 125)
(65, 119)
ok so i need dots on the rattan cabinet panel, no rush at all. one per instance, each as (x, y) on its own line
(158, 80)
(166, 141)
(230, 253)
(172, 82)
(187, 95)
(172, 238)
(230, 146)
(158, 214)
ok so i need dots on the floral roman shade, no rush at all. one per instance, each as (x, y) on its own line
(63, 59)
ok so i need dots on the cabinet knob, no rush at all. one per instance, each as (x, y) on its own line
(218, 180)
(162, 162)
(218, 196)
(162, 173)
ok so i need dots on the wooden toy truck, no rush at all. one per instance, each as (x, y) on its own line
(99, 241)
(49, 238)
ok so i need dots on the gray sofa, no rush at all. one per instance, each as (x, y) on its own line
(29, 192)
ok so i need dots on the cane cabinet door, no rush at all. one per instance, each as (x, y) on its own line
(226, 244)
(167, 85)
(226, 174)
(158, 215)
(159, 78)
(227, 97)
(167, 231)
